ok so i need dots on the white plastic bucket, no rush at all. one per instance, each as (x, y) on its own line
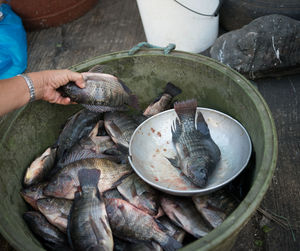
(190, 24)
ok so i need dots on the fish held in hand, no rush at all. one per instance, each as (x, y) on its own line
(133, 224)
(88, 225)
(102, 93)
(197, 153)
(66, 182)
(39, 168)
(163, 101)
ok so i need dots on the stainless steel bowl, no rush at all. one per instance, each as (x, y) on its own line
(151, 143)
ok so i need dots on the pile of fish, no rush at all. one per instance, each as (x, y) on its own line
(84, 195)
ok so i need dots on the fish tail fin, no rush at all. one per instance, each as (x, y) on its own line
(172, 89)
(133, 101)
(186, 108)
(89, 177)
(171, 244)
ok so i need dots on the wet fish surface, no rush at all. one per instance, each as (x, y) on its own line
(139, 194)
(87, 148)
(78, 126)
(197, 153)
(40, 167)
(133, 224)
(102, 93)
(88, 225)
(215, 207)
(120, 126)
(113, 194)
(163, 101)
(66, 182)
(33, 193)
(183, 213)
(51, 237)
(56, 211)
(172, 230)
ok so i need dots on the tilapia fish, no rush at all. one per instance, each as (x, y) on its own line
(40, 167)
(88, 225)
(215, 207)
(91, 146)
(163, 101)
(51, 237)
(66, 182)
(172, 230)
(102, 93)
(197, 153)
(133, 224)
(183, 213)
(120, 126)
(56, 211)
(77, 127)
(33, 193)
(139, 194)
(112, 194)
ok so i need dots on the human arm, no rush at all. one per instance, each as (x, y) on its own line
(14, 92)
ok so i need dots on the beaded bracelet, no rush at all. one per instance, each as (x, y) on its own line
(30, 86)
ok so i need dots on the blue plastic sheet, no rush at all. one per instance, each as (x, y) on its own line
(13, 44)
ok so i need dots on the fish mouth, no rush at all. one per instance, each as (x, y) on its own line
(29, 199)
(198, 176)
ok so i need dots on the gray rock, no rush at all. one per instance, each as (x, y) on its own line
(268, 46)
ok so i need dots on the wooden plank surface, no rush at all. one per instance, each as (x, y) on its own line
(115, 25)
(110, 26)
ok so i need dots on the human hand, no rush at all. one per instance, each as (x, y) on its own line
(46, 84)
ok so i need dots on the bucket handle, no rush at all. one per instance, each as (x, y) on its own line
(166, 49)
(215, 13)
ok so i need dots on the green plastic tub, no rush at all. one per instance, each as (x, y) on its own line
(25, 133)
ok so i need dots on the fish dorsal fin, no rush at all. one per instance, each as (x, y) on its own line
(176, 130)
(126, 88)
(98, 69)
(202, 125)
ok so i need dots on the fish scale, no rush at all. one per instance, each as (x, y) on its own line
(65, 183)
(131, 223)
(102, 92)
(193, 143)
(88, 226)
(197, 153)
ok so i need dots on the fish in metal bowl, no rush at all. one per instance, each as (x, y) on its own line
(189, 150)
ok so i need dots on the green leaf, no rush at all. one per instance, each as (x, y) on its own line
(266, 229)
(258, 243)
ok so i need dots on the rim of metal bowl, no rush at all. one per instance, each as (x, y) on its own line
(197, 191)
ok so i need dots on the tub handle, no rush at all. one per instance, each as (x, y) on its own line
(166, 49)
(215, 13)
